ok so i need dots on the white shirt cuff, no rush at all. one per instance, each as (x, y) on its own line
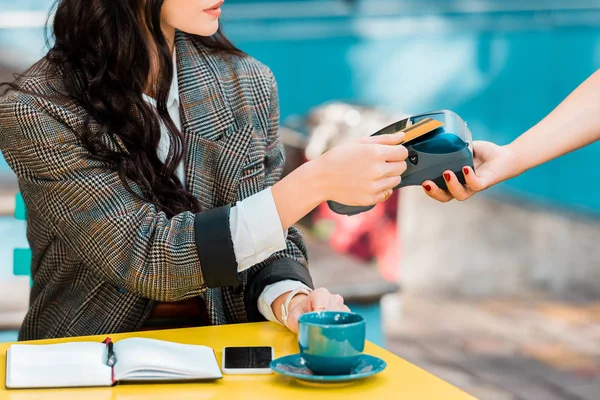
(256, 229)
(271, 292)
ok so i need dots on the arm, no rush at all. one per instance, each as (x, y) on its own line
(288, 266)
(361, 171)
(125, 241)
(575, 123)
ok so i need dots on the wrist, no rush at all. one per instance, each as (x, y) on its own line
(518, 163)
(315, 176)
(298, 193)
(281, 309)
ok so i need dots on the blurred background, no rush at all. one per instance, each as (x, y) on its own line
(499, 295)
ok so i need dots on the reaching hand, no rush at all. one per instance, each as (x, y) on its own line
(493, 164)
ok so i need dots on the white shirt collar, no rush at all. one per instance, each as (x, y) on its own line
(174, 92)
(173, 99)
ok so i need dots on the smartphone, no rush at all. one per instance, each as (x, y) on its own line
(248, 360)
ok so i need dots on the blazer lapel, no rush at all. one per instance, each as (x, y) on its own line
(204, 109)
(206, 117)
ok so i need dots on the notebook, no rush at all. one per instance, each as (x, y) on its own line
(85, 364)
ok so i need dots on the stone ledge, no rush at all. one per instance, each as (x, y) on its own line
(489, 247)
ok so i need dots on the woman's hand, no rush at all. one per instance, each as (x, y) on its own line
(318, 300)
(363, 171)
(493, 164)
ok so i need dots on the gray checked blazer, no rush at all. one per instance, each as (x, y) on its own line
(101, 257)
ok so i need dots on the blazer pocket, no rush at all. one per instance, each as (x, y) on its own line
(215, 125)
(252, 170)
(254, 166)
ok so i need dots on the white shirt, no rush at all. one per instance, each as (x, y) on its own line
(257, 234)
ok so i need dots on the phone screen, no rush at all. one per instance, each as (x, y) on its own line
(248, 357)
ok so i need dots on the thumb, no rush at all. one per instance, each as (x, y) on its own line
(390, 139)
(296, 312)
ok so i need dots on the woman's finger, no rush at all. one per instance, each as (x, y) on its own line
(393, 153)
(395, 168)
(336, 303)
(319, 299)
(337, 307)
(336, 299)
(387, 183)
(381, 196)
(456, 189)
(475, 183)
(436, 193)
(390, 139)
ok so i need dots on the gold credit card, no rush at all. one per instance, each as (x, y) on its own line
(421, 128)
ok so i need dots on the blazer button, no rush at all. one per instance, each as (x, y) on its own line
(121, 290)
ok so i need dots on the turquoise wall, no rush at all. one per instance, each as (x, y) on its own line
(502, 65)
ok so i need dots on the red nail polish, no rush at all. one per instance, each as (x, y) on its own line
(427, 187)
(466, 171)
(447, 177)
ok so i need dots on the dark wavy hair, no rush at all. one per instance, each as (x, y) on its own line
(102, 51)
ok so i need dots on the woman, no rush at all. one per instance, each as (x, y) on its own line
(148, 156)
(575, 123)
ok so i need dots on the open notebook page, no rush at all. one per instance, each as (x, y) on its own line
(150, 359)
(72, 364)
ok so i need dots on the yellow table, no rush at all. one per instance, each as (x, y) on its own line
(400, 380)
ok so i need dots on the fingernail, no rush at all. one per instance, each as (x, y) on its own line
(427, 187)
(447, 176)
(466, 171)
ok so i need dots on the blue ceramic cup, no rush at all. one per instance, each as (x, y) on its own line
(331, 342)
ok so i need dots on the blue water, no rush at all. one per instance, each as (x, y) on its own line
(502, 67)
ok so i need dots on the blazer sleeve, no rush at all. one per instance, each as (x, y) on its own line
(125, 240)
(291, 263)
